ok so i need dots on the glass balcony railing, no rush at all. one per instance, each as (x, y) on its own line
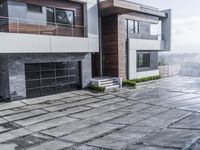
(17, 25)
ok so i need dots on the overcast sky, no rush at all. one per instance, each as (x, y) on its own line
(186, 22)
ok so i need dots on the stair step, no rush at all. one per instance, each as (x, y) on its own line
(112, 87)
(106, 85)
(109, 82)
(109, 79)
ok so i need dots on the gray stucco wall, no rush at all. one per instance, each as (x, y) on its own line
(4, 77)
(153, 61)
(14, 64)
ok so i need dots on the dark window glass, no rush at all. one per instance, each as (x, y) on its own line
(62, 73)
(33, 92)
(49, 90)
(65, 16)
(32, 75)
(34, 8)
(33, 84)
(32, 67)
(48, 74)
(50, 15)
(47, 66)
(143, 60)
(61, 65)
(48, 82)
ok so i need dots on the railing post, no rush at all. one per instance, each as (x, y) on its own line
(56, 29)
(17, 25)
(72, 30)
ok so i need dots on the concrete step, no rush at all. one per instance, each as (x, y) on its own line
(112, 87)
(107, 85)
(109, 82)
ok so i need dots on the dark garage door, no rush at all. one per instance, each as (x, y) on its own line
(51, 78)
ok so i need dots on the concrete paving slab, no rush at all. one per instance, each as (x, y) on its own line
(107, 116)
(173, 138)
(164, 119)
(52, 145)
(108, 96)
(49, 124)
(13, 134)
(68, 128)
(27, 141)
(70, 105)
(19, 116)
(135, 107)
(139, 115)
(175, 99)
(76, 98)
(101, 110)
(191, 122)
(144, 147)
(112, 142)
(11, 105)
(8, 126)
(49, 116)
(194, 108)
(28, 108)
(91, 132)
(106, 102)
(2, 121)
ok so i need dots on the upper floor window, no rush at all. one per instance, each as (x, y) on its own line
(61, 16)
(34, 8)
(133, 27)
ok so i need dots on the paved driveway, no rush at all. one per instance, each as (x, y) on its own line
(161, 115)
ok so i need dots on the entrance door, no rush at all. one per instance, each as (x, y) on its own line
(51, 78)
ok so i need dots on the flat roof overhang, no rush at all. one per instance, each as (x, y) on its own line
(112, 7)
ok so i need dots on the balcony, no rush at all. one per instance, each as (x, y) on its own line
(30, 36)
(17, 25)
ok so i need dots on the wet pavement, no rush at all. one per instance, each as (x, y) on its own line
(158, 115)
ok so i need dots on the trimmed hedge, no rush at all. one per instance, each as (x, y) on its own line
(135, 81)
(128, 83)
(146, 79)
(97, 88)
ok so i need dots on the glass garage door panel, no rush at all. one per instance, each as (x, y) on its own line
(51, 78)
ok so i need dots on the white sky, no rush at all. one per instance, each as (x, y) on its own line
(185, 25)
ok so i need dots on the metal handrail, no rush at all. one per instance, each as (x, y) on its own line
(39, 24)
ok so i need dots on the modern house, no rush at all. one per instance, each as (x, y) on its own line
(46, 46)
(54, 46)
(131, 37)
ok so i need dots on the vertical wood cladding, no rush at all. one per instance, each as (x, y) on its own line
(77, 7)
(110, 45)
(113, 43)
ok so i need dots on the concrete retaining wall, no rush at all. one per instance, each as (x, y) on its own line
(169, 70)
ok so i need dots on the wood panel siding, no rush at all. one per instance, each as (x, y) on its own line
(110, 45)
(46, 29)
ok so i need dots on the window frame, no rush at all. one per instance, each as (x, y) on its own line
(134, 23)
(32, 11)
(65, 10)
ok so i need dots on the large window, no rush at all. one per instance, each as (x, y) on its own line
(143, 60)
(60, 16)
(34, 8)
(133, 27)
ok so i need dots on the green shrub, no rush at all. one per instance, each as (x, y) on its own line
(129, 83)
(146, 79)
(97, 88)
